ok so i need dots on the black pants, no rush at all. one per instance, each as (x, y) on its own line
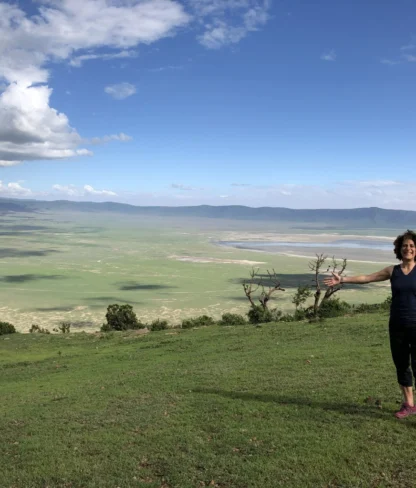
(403, 350)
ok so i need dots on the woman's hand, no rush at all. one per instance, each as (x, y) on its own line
(333, 280)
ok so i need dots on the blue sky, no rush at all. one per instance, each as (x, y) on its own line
(255, 102)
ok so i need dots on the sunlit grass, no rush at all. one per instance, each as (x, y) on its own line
(279, 405)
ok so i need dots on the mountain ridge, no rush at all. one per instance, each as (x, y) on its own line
(362, 215)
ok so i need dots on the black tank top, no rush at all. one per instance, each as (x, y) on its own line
(403, 304)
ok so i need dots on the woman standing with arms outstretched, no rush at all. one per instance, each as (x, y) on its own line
(402, 324)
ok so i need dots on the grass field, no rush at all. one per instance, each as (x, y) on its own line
(57, 267)
(291, 405)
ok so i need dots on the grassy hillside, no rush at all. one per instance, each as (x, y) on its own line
(233, 407)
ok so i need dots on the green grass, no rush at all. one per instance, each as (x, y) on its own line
(291, 405)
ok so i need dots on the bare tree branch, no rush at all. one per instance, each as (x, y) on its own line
(264, 295)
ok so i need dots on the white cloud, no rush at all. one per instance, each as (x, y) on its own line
(14, 190)
(229, 21)
(69, 190)
(77, 61)
(90, 190)
(64, 30)
(114, 137)
(389, 62)
(30, 129)
(76, 31)
(409, 47)
(372, 183)
(120, 90)
(166, 68)
(329, 55)
(180, 186)
(76, 192)
(241, 184)
(410, 57)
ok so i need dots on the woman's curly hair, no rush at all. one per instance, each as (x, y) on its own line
(398, 243)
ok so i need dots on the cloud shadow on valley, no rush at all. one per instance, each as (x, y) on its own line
(55, 309)
(24, 278)
(103, 302)
(133, 286)
(288, 280)
(7, 252)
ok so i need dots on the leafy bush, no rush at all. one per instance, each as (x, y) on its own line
(261, 315)
(333, 307)
(373, 307)
(106, 328)
(200, 321)
(121, 317)
(287, 317)
(232, 319)
(302, 294)
(65, 327)
(6, 328)
(159, 324)
(39, 330)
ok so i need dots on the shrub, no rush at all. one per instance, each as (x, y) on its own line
(333, 307)
(232, 319)
(300, 314)
(40, 330)
(261, 315)
(373, 307)
(301, 295)
(6, 328)
(121, 317)
(65, 327)
(287, 317)
(200, 321)
(106, 328)
(159, 324)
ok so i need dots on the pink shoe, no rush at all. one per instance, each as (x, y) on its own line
(405, 411)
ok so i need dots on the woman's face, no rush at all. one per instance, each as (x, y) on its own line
(408, 249)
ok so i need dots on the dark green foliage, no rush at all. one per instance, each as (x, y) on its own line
(121, 317)
(301, 295)
(38, 329)
(287, 317)
(333, 307)
(6, 328)
(261, 315)
(373, 307)
(200, 321)
(106, 328)
(159, 324)
(232, 319)
(65, 327)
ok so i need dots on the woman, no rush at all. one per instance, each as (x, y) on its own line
(402, 324)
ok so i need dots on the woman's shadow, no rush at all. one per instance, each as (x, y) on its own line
(370, 408)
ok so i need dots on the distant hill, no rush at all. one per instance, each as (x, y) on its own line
(361, 217)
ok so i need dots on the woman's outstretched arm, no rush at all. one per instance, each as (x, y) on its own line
(381, 275)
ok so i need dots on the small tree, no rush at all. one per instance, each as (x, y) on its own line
(121, 317)
(159, 324)
(65, 327)
(257, 281)
(232, 319)
(7, 328)
(260, 313)
(316, 267)
(302, 294)
(38, 329)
